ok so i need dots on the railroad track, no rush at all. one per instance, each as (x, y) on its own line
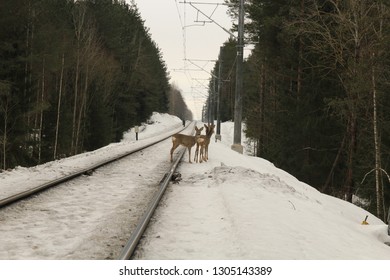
(132, 243)
(32, 204)
(44, 186)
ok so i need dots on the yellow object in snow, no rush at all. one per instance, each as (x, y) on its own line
(365, 221)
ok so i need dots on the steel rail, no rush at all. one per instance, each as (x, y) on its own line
(14, 198)
(132, 243)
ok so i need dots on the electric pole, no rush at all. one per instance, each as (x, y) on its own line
(210, 105)
(218, 133)
(239, 77)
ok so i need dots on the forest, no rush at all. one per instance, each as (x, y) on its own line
(74, 75)
(315, 93)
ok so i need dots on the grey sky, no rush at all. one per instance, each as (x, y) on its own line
(174, 28)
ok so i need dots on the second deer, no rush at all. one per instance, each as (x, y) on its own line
(203, 143)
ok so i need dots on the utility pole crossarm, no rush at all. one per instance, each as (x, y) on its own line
(209, 17)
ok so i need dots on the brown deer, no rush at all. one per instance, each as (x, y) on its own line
(203, 143)
(185, 140)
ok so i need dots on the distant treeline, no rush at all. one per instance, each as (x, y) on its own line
(316, 93)
(74, 75)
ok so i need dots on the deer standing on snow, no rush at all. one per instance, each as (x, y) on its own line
(203, 143)
(186, 141)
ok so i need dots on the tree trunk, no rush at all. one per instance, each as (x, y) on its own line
(59, 107)
(5, 107)
(300, 56)
(41, 112)
(5, 139)
(349, 181)
(82, 109)
(262, 113)
(30, 60)
(378, 187)
(78, 22)
(73, 148)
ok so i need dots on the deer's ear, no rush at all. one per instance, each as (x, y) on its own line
(201, 129)
(205, 125)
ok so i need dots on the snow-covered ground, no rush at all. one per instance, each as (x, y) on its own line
(232, 207)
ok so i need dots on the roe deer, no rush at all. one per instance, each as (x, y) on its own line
(203, 142)
(185, 140)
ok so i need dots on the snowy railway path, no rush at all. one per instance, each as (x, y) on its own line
(233, 207)
(90, 217)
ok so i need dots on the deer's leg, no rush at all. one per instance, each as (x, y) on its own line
(174, 146)
(189, 154)
(196, 153)
(204, 153)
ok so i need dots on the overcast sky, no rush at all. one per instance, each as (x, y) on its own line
(174, 28)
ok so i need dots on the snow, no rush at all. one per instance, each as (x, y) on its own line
(232, 207)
